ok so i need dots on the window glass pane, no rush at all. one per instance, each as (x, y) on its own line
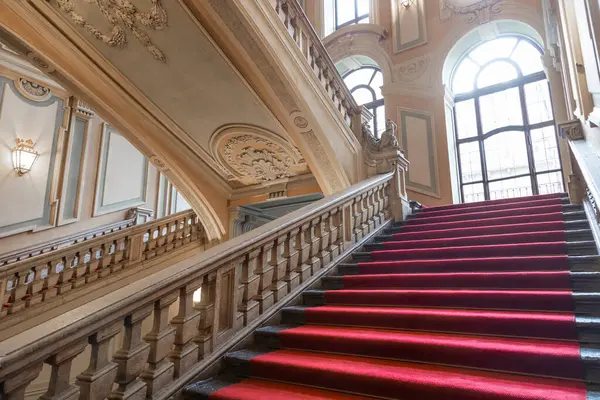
(466, 120)
(470, 162)
(550, 183)
(362, 96)
(464, 77)
(377, 83)
(345, 11)
(496, 72)
(510, 188)
(380, 116)
(537, 97)
(545, 150)
(506, 155)
(363, 7)
(528, 58)
(359, 77)
(500, 109)
(498, 48)
(473, 193)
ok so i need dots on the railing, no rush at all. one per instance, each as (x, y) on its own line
(40, 279)
(300, 29)
(240, 281)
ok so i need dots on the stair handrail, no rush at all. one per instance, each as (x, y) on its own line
(301, 30)
(40, 279)
(238, 280)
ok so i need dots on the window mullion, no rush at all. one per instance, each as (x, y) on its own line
(528, 143)
(486, 189)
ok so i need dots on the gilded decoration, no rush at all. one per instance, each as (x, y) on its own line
(123, 16)
(252, 155)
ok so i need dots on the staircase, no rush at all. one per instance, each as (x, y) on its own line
(489, 300)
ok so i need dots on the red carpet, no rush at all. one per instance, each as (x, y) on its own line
(469, 301)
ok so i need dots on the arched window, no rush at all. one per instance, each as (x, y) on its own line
(505, 132)
(365, 85)
(350, 12)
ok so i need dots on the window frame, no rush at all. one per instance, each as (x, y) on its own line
(375, 103)
(352, 21)
(520, 82)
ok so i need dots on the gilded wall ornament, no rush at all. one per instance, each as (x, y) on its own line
(122, 15)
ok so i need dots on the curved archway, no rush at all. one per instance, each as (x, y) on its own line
(503, 133)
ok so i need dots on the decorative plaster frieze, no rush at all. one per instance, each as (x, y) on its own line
(412, 70)
(32, 90)
(479, 11)
(120, 14)
(82, 109)
(571, 130)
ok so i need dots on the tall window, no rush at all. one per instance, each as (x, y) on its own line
(349, 12)
(365, 85)
(505, 132)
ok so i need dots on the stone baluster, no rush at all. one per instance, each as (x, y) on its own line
(377, 207)
(302, 246)
(22, 291)
(104, 263)
(116, 250)
(55, 268)
(161, 241)
(14, 385)
(185, 352)
(95, 264)
(323, 234)
(96, 382)
(159, 371)
(68, 273)
(292, 256)
(370, 209)
(36, 287)
(131, 358)
(279, 262)
(60, 387)
(314, 261)
(152, 243)
(187, 231)
(364, 209)
(332, 227)
(249, 280)
(10, 286)
(206, 308)
(357, 219)
(171, 228)
(265, 272)
(80, 269)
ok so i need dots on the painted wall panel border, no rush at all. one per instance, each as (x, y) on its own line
(46, 219)
(99, 207)
(397, 10)
(434, 188)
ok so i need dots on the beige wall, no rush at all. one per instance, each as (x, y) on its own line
(87, 175)
(411, 46)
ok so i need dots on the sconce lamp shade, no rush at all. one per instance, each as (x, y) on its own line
(24, 156)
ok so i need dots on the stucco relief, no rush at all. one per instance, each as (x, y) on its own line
(120, 14)
(253, 155)
(479, 11)
(412, 70)
(32, 90)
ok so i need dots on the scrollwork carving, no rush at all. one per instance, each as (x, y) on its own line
(120, 14)
(412, 70)
(479, 11)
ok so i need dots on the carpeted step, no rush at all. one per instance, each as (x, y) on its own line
(527, 356)
(524, 300)
(494, 202)
(430, 212)
(467, 280)
(560, 326)
(255, 389)
(436, 232)
(489, 222)
(388, 242)
(426, 219)
(393, 379)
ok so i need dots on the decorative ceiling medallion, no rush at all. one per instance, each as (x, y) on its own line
(253, 155)
(474, 10)
(33, 91)
(119, 14)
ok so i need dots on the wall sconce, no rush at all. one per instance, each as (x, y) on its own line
(407, 3)
(24, 156)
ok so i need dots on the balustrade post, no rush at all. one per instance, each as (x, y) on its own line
(60, 387)
(333, 228)
(370, 209)
(292, 256)
(279, 262)
(265, 272)
(14, 385)
(131, 358)
(323, 234)
(250, 282)
(185, 352)
(357, 219)
(206, 307)
(314, 261)
(97, 380)
(136, 247)
(159, 371)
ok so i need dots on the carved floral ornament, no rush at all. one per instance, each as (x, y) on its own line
(475, 10)
(123, 16)
(252, 155)
(32, 90)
